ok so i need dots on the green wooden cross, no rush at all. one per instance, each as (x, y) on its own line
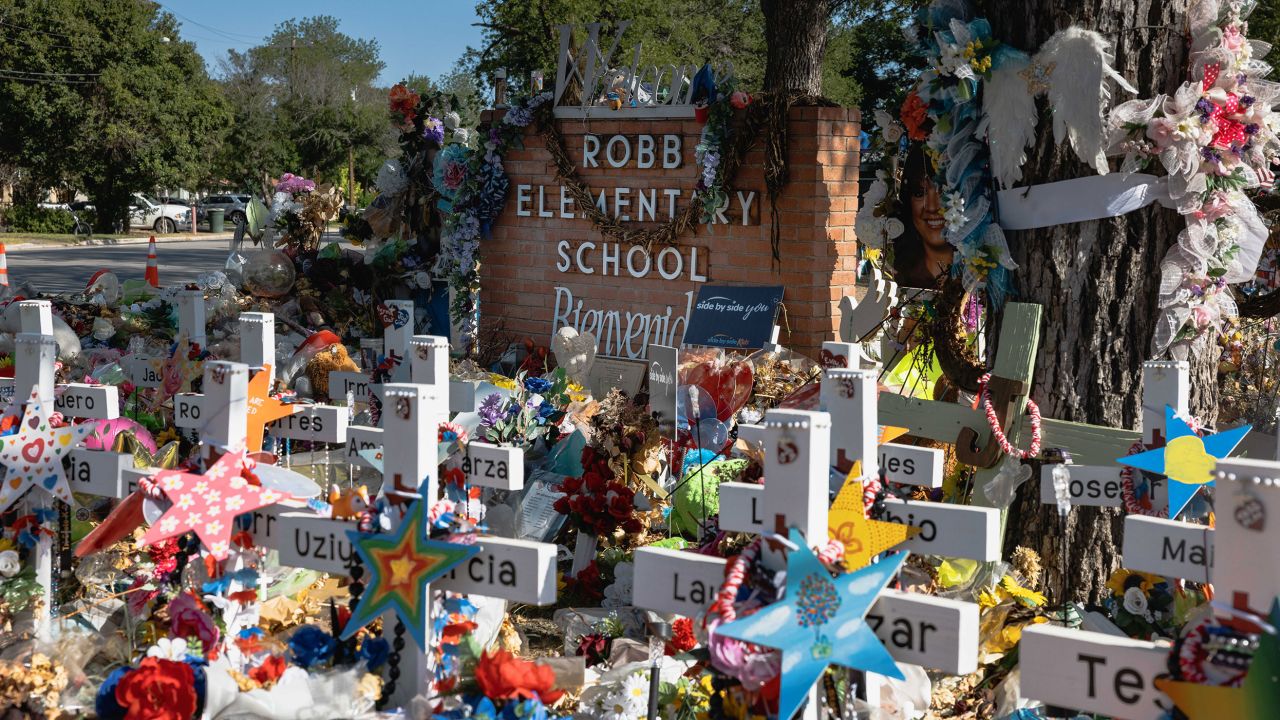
(1015, 361)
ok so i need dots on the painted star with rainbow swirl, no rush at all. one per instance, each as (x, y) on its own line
(401, 565)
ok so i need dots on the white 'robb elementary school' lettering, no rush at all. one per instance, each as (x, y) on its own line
(624, 204)
(671, 263)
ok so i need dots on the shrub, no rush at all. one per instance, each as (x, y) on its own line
(33, 219)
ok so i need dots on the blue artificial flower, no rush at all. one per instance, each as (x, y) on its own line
(105, 702)
(547, 410)
(310, 645)
(374, 651)
(201, 680)
(537, 384)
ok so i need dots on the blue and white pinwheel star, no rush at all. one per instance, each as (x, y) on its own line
(819, 621)
(1186, 458)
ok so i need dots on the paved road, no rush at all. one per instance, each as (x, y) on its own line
(68, 268)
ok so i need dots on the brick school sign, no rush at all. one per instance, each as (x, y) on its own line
(546, 265)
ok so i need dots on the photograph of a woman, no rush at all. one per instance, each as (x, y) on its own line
(921, 254)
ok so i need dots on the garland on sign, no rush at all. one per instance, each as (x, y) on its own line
(1216, 137)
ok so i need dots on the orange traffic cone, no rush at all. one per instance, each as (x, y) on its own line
(153, 268)
(4, 267)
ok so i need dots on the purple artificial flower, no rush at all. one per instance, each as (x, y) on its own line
(433, 130)
(292, 184)
(1247, 101)
(491, 410)
(1251, 129)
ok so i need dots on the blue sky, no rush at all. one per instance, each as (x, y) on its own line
(414, 36)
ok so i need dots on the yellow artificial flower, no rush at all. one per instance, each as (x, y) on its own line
(1025, 597)
(502, 381)
(1120, 579)
(6, 544)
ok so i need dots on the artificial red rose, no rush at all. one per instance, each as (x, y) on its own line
(164, 556)
(594, 647)
(503, 676)
(620, 504)
(158, 690)
(595, 481)
(561, 505)
(682, 638)
(404, 101)
(269, 671)
(914, 116)
(632, 525)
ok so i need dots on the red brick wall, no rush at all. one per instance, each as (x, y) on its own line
(816, 213)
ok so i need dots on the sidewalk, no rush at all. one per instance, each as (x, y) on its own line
(28, 240)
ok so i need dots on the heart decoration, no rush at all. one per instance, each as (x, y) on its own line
(33, 451)
(727, 381)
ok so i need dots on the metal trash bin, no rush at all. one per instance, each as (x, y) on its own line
(216, 216)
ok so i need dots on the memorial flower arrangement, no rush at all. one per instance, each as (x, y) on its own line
(596, 503)
(1216, 138)
(531, 412)
(300, 211)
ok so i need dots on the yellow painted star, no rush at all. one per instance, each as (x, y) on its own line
(863, 538)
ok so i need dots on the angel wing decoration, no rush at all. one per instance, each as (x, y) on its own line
(1073, 68)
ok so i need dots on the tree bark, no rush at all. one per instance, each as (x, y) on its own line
(796, 34)
(1097, 282)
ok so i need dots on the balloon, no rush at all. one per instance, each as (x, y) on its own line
(268, 273)
(104, 435)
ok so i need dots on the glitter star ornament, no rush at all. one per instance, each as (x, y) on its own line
(401, 565)
(1186, 459)
(1256, 699)
(263, 409)
(208, 504)
(820, 621)
(33, 456)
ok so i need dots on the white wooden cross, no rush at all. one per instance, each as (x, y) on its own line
(395, 343)
(948, 530)
(35, 351)
(317, 423)
(1101, 673)
(929, 631)
(1164, 382)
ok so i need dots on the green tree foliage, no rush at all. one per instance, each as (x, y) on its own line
(302, 100)
(107, 96)
(1264, 24)
(520, 36)
(867, 62)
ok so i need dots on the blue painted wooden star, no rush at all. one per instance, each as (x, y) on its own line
(1186, 458)
(819, 622)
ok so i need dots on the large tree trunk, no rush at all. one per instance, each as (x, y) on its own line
(796, 33)
(1097, 282)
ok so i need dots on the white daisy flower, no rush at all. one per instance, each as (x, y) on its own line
(169, 649)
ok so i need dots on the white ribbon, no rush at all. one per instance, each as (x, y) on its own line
(1080, 199)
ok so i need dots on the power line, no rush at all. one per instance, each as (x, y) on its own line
(225, 33)
(35, 30)
(29, 41)
(50, 81)
(15, 71)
